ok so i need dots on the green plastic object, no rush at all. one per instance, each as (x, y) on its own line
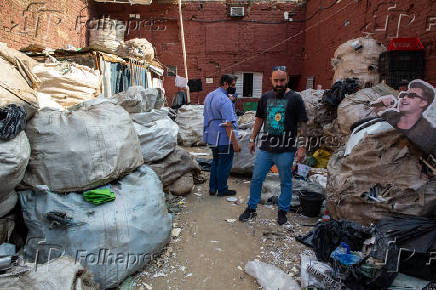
(310, 161)
(99, 196)
(250, 106)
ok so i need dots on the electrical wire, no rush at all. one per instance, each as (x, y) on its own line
(265, 22)
(227, 20)
(285, 40)
(318, 11)
(257, 21)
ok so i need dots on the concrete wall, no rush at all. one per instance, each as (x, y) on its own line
(215, 42)
(349, 19)
(48, 23)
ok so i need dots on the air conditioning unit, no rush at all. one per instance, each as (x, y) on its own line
(237, 11)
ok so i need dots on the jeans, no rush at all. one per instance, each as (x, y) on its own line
(220, 170)
(263, 163)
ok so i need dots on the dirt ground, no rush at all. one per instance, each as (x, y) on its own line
(212, 248)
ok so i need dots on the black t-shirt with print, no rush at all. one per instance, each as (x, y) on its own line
(281, 115)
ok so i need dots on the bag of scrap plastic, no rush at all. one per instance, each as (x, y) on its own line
(138, 99)
(190, 121)
(270, 277)
(157, 134)
(337, 93)
(112, 240)
(89, 145)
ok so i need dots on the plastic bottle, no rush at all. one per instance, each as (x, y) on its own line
(326, 216)
(343, 248)
(344, 256)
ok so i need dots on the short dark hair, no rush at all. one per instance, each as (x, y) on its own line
(227, 79)
(427, 90)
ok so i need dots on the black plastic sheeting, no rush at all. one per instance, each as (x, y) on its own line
(195, 85)
(12, 121)
(337, 93)
(327, 236)
(204, 163)
(179, 100)
(407, 244)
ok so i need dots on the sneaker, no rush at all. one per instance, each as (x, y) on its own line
(281, 217)
(248, 214)
(229, 192)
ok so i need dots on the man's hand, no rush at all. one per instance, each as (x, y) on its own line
(252, 147)
(236, 147)
(300, 154)
(383, 103)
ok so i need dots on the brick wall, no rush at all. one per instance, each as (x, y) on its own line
(215, 42)
(48, 23)
(327, 29)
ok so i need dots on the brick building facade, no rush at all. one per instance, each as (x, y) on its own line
(327, 28)
(48, 23)
(217, 43)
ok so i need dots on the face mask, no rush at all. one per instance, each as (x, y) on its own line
(235, 98)
(231, 91)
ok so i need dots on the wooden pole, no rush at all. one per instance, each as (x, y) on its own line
(182, 36)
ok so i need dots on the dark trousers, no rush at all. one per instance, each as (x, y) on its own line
(220, 169)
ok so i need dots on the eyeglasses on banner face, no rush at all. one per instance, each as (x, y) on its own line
(279, 67)
(410, 96)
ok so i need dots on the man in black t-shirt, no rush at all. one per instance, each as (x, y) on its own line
(279, 111)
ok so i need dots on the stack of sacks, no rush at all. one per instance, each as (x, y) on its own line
(358, 58)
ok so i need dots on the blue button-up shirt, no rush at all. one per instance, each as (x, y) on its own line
(218, 109)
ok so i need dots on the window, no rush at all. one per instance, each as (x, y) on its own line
(171, 71)
(293, 82)
(249, 84)
(310, 82)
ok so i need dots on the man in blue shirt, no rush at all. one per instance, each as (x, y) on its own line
(220, 132)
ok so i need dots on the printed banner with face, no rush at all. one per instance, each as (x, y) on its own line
(413, 113)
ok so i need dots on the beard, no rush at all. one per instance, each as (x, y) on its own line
(279, 90)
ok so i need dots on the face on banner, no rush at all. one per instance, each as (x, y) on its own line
(413, 113)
